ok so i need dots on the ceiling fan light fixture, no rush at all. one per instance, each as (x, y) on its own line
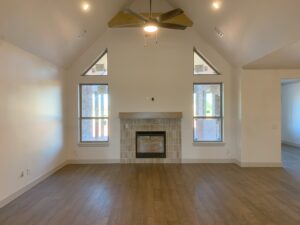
(85, 6)
(216, 5)
(150, 28)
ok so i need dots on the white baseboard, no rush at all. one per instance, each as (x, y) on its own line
(27, 187)
(207, 161)
(183, 161)
(237, 162)
(186, 161)
(116, 161)
(291, 144)
(98, 161)
(258, 164)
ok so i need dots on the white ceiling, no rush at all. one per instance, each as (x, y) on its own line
(50, 28)
(253, 28)
(285, 58)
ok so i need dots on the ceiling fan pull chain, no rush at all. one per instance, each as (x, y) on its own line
(145, 41)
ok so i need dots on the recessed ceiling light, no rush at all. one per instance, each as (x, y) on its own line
(85, 6)
(216, 5)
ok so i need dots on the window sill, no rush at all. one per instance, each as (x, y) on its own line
(209, 143)
(96, 144)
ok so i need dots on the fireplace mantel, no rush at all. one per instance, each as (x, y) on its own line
(150, 115)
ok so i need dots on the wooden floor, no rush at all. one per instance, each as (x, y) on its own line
(160, 195)
(291, 157)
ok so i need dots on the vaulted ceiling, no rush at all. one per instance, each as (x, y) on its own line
(285, 58)
(57, 30)
(257, 33)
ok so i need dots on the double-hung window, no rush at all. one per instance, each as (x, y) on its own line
(94, 113)
(208, 112)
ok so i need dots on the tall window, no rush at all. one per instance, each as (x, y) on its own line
(208, 112)
(94, 103)
(202, 66)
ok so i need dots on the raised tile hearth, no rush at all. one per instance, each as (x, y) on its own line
(133, 122)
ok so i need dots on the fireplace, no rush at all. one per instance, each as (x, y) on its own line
(150, 144)
(133, 122)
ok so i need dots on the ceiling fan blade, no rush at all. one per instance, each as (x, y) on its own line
(129, 25)
(172, 26)
(136, 15)
(169, 15)
(180, 20)
(123, 19)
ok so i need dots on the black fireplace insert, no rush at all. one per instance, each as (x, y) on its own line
(150, 144)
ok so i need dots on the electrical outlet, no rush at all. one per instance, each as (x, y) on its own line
(28, 172)
(22, 174)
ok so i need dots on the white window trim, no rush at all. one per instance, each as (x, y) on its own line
(91, 143)
(211, 143)
(217, 73)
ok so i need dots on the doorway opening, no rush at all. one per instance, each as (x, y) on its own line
(290, 127)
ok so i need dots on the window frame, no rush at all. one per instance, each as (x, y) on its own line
(80, 118)
(93, 64)
(221, 117)
(217, 73)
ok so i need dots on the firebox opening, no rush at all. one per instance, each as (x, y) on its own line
(150, 144)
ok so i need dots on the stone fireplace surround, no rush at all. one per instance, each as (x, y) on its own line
(131, 122)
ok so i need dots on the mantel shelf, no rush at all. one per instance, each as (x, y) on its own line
(150, 115)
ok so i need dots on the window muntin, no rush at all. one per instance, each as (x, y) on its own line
(99, 68)
(202, 66)
(94, 113)
(208, 112)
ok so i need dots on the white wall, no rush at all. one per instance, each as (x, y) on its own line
(31, 118)
(237, 92)
(135, 73)
(291, 113)
(260, 113)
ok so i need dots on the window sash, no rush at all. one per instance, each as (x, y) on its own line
(81, 118)
(91, 118)
(208, 117)
(221, 117)
(94, 63)
(216, 72)
(98, 133)
(210, 141)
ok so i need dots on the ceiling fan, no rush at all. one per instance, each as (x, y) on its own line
(174, 19)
